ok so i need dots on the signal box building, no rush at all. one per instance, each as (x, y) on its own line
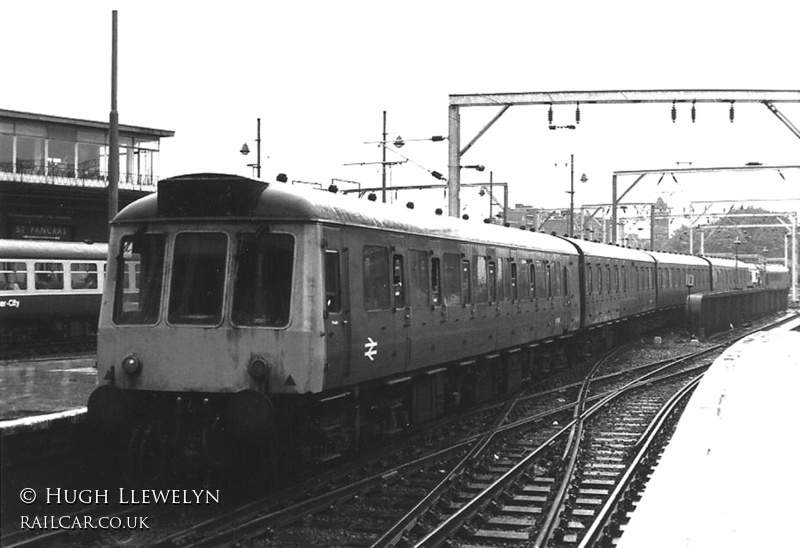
(54, 174)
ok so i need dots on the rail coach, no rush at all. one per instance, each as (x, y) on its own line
(264, 314)
(49, 290)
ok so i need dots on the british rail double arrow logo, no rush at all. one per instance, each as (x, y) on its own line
(371, 349)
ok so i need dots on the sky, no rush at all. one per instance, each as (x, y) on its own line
(319, 75)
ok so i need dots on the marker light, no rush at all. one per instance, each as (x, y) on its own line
(258, 368)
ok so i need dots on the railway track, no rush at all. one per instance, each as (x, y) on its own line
(496, 477)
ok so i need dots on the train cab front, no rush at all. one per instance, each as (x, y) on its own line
(203, 325)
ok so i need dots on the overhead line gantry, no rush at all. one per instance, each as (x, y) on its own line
(506, 100)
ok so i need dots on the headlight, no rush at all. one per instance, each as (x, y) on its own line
(132, 364)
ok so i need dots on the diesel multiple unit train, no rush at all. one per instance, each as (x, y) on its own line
(316, 323)
(49, 291)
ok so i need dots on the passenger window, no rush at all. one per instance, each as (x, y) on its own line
(263, 286)
(83, 276)
(466, 293)
(532, 280)
(548, 282)
(556, 279)
(333, 291)
(514, 290)
(419, 278)
(49, 275)
(502, 291)
(198, 278)
(436, 281)
(376, 278)
(492, 281)
(13, 276)
(452, 279)
(524, 281)
(479, 280)
(398, 282)
(600, 279)
(565, 280)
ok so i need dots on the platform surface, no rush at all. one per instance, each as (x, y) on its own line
(42, 387)
(729, 476)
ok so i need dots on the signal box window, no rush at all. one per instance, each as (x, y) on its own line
(198, 278)
(333, 292)
(139, 305)
(13, 276)
(452, 279)
(262, 290)
(49, 275)
(83, 276)
(419, 278)
(376, 278)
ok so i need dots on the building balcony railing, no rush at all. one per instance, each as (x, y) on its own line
(63, 174)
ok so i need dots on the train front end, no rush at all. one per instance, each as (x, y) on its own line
(208, 320)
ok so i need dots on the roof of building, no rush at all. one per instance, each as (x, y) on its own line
(48, 119)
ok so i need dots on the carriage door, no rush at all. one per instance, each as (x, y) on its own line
(336, 311)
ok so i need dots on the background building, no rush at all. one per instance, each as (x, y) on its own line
(54, 174)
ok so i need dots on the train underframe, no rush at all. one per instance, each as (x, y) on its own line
(196, 433)
(18, 335)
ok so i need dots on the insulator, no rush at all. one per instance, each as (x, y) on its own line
(550, 114)
(674, 112)
(731, 112)
(694, 112)
(578, 114)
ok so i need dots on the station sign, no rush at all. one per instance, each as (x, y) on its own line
(41, 231)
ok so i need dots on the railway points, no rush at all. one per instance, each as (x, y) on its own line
(726, 477)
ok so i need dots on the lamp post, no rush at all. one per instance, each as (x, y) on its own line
(245, 150)
(764, 254)
(571, 193)
(736, 244)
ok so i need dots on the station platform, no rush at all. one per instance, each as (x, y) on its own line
(729, 475)
(41, 390)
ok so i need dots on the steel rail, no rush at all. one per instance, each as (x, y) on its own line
(645, 443)
(452, 524)
(393, 534)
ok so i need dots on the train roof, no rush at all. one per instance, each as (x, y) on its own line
(777, 268)
(612, 251)
(218, 196)
(678, 259)
(45, 249)
(728, 263)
